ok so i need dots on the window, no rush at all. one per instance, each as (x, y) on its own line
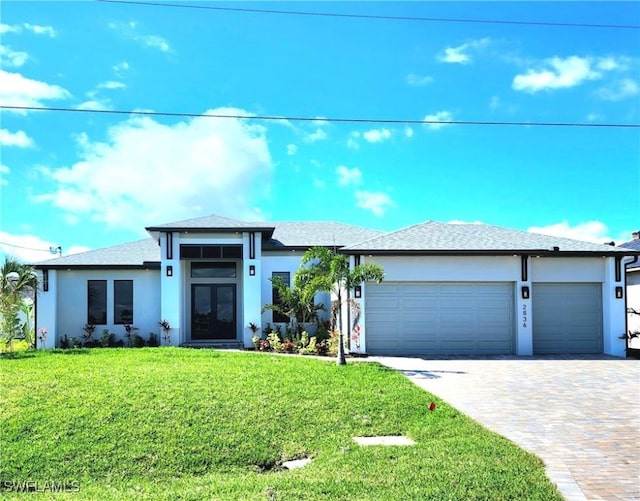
(210, 251)
(97, 302)
(123, 301)
(276, 300)
(213, 270)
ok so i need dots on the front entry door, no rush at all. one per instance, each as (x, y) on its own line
(213, 311)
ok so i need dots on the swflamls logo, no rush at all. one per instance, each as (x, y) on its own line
(39, 486)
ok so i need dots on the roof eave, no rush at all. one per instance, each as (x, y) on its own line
(144, 266)
(489, 252)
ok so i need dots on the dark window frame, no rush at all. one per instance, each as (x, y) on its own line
(93, 319)
(275, 299)
(215, 265)
(118, 315)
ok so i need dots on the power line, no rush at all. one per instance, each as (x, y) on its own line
(380, 17)
(27, 248)
(321, 119)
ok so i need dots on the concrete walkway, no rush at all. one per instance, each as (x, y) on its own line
(580, 415)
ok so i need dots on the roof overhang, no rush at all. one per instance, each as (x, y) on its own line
(147, 265)
(497, 252)
(267, 231)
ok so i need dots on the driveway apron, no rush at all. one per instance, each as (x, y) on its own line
(580, 415)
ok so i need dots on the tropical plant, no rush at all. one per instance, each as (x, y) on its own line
(324, 270)
(18, 285)
(297, 303)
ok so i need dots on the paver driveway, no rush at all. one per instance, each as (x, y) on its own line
(580, 415)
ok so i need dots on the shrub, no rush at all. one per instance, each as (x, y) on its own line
(64, 342)
(288, 346)
(274, 340)
(153, 340)
(310, 347)
(138, 341)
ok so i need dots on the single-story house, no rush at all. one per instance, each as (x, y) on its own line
(448, 288)
(633, 291)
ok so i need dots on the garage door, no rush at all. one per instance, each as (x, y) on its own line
(567, 318)
(425, 318)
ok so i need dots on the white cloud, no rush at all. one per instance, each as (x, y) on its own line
(376, 135)
(120, 68)
(619, 90)
(3, 171)
(592, 117)
(419, 80)
(16, 90)
(155, 42)
(94, 104)
(460, 54)
(440, 116)
(31, 249)
(10, 57)
(111, 84)
(408, 131)
(8, 28)
(592, 231)
(292, 149)
(318, 135)
(148, 171)
(557, 73)
(130, 31)
(33, 28)
(613, 63)
(348, 176)
(375, 202)
(40, 30)
(19, 139)
(460, 221)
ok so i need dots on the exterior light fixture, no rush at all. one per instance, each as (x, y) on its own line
(252, 270)
(357, 291)
(618, 292)
(525, 292)
(169, 271)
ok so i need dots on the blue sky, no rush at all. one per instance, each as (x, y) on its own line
(84, 180)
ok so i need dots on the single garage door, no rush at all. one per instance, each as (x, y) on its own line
(567, 318)
(427, 318)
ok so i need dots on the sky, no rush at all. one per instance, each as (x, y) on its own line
(84, 178)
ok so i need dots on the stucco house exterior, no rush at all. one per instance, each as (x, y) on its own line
(633, 291)
(448, 288)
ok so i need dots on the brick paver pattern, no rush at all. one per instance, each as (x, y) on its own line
(580, 415)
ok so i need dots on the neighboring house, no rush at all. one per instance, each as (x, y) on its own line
(633, 290)
(448, 288)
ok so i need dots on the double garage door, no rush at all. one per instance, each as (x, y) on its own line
(409, 318)
(428, 318)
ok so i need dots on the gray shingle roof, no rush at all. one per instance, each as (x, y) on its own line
(309, 234)
(130, 254)
(441, 237)
(633, 244)
(211, 222)
(429, 237)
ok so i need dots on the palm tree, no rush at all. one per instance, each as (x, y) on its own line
(18, 285)
(324, 270)
(297, 303)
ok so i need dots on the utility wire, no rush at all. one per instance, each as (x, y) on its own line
(321, 119)
(26, 248)
(371, 16)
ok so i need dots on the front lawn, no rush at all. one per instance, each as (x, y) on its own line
(175, 423)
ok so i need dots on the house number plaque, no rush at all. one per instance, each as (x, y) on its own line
(524, 315)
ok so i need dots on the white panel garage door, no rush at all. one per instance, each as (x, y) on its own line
(427, 318)
(567, 318)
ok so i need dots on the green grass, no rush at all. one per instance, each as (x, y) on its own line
(185, 424)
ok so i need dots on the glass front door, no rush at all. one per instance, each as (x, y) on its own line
(213, 311)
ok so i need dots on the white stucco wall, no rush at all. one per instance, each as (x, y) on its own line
(633, 301)
(70, 315)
